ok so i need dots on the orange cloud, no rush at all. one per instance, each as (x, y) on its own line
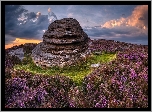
(38, 14)
(49, 9)
(138, 18)
(19, 41)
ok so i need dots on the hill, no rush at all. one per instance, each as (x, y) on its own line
(121, 80)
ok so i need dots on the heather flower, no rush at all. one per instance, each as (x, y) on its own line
(102, 103)
(132, 74)
(122, 83)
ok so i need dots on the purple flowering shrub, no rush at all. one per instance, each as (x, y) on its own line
(57, 87)
(10, 61)
(76, 98)
(14, 92)
(117, 88)
(121, 83)
(25, 90)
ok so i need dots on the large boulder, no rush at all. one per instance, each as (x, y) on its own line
(64, 44)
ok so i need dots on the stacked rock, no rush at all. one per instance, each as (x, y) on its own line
(64, 44)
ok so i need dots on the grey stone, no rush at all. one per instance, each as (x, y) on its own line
(95, 65)
(63, 43)
(98, 53)
(18, 52)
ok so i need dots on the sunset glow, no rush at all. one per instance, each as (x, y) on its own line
(136, 19)
(126, 23)
(19, 41)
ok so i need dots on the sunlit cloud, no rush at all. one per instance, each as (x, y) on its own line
(138, 18)
(51, 16)
(70, 15)
(49, 9)
(38, 14)
(97, 21)
(21, 18)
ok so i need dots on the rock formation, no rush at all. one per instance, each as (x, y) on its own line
(18, 52)
(64, 44)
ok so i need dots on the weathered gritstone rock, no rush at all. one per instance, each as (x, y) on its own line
(18, 52)
(64, 44)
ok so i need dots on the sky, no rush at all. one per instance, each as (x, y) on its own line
(125, 23)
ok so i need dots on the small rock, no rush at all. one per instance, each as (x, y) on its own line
(98, 53)
(95, 65)
(18, 52)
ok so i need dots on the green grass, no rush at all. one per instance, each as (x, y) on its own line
(76, 73)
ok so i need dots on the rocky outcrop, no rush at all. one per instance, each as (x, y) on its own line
(18, 52)
(64, 44)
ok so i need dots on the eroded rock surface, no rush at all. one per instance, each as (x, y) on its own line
(18, 52)
(64, 44)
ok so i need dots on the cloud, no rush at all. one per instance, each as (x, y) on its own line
(141, 18)
(70, 15)
(12, 12)
(113, 32)
(138, 18)
(31, 29)
(30, 15)
(120, 33)
(8, 39)
(21, 23)
(132, 29)
(49, 9)
(51, 16)
(38, 14)
(139, 12)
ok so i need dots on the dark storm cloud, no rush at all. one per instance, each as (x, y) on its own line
(12, 12)
(43, 21)
(124, 34)
(128, 30)
(140, 39)
(97, 32)
(102, 12)
(89, 16)
(135, 38)
(25, 27)
(31, 15)
(32, 29)
(8, 39)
